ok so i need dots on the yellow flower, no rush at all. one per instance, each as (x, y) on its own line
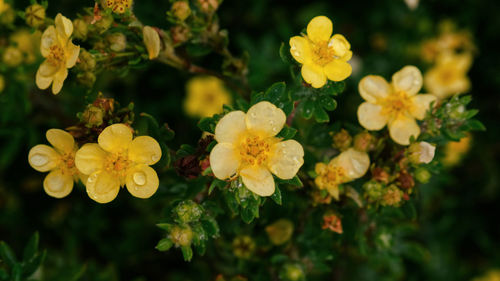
(27, 43)
(151, 41)
(205, 96)
(347, 166)
(454, 151)
(396, 105)
(3, 6)
(248, 147)
(59, 160)
(117, 160)
(60, 54)
(118, 6)
(449, 76)
(322, 55)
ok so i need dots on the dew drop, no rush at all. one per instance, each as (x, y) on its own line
(39, 160)
(139, 178)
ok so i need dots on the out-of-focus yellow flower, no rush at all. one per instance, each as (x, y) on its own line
(27, 43)
(2, 83)
(322, 55)
(455, 151)
(205, 96)
(12, 56)
(243, 246)
(449, 76)
(448, 42)
(280, 231)
(248, 147)
(117, 160)
(491, 275)
(396, 105)
(3, 6)
(59, 160)
(118, 6)
(151, 41)
(347, 166)
(60, 54)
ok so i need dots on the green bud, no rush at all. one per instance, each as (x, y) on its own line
(104, 23)
(188, 211)
(86, 78)
(342, 140)
(292, 272)
(87, 61)
(422, 175)
(80, 29)
(35, 15)
(373, 190)
(117, 42)
(12, 56)
(93, 116)
(181, 236)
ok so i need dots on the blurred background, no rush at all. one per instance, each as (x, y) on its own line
(456, 232)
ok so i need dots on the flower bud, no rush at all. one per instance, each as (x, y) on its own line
(381, 175)
(342, 140)
(243, 246)
(405, 180)
(12, 56)
(292, 272)
(188, 211)
(372, 191)
(421, 152)
(280, 231)
(392, 196)
(117, 42)
(208, 6)
(7, 15)
(181, 10)
(364, 142)
(2, 83)
(87, 61)
(422, 175)
(104, 23)
(35, 15)
(181, 236)
(80, 29)
(86, 78)
(180, 34)
(93, 116)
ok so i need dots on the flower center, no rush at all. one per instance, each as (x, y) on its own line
(68, 164)
(118, 5)
(331, 177)
(323, 53)
(396, 104)
(117, 164)
(254, 150)
(56, 55)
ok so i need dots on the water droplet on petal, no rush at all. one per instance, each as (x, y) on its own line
(139, 178)
(39, 160)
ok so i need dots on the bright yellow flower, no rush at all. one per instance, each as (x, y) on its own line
(118, 6)
(347, 166)
(59, 160)
(396, 105)
(449, 76)
(248, 147)
(60, 54)
(322, 55)
(454, 151)
(152, 41)
(205, 96)
(117, 160)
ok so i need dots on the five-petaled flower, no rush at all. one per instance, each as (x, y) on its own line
(396, 105)
(59, 160)
(248, 147)
(205, 96)
(59, 53)
(117, 160)
(322, 55)
(347, 166)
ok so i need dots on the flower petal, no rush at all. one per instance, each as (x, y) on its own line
(314, 75)
(72, 52)
(319, 29)
(287, 159)
(408, 79)
(102, 187)
(224, 161)
(145, 150)
(59, 78)
(265, 118)
(151, 41)
(64, 26)
(115, 138)
(47, 69)
(370, 116)
(355, 163)
(57, 184)
(142, 181)
(230, 126)
(90, 158)
(258, 180)
(43, 82)
(43, 158)
(338, 70)
(374, 87)
(402, 128)
(420, 105)
(61, 140)
(49, 37)
(340, 45)
(300, 49)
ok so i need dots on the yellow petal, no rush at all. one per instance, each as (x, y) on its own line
(373, 88)
(90, 158)
(319, 29)
(145, 150)
(230, 126)
(370, 116)
(420, 105)
(115, 138)
(300, 49)
(340, 45)
(314, 75)
(355, 163)
(43, 82)
(408, 79)
(61, 140)
(102, 187)
(48, 39)
(258, 180)
(334, 191)
(47, 69)
(151, 41)
(43, 158)
(402, 128)
(64, 26)
(57, 184)
(72, 52)
(224, 161)
(142, 181)
(338, 70)
(265, 118)
(286, 160)
(59, 78)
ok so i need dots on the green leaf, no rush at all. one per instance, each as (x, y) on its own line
(16, 273)
(475, 125)
(198, 50)
(211, 227)
(276, 92)
(285, 55)
(187, 253)
(409, 210)
(164, 244)
(164, 226)
(31, 248)
(328, 103)
(7, 254)
(287, 132)
(207, 124)
(231, 202)
(33, 264)
(277, 195)
(307, 109)
(320, 114)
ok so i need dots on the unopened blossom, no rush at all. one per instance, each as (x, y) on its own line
(151, 41)
(248, 147)
(323, 56)
(35, 15)
(449, 76)
(205, 96)
(396, 105)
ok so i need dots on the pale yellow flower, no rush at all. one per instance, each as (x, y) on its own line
(151, 41)
(347, 166)
(205, 96)
(421, 152)
(322, 55)
(59, 160)
(116, 160)
(454, 151)
(118, 6)
(396, 105)
(60, 54)
(449, 76)
(248, 147)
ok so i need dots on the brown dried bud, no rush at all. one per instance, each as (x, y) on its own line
(364, 142)
(381, 175)
(180, 34)
(405, 180)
